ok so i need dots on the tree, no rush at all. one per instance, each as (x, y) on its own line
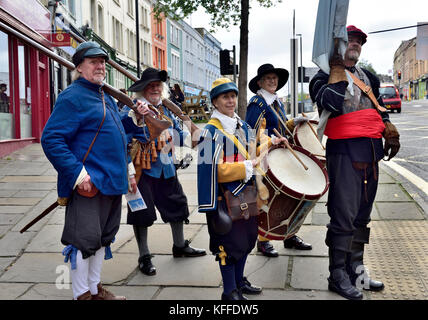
(367, 65)
(223, 14)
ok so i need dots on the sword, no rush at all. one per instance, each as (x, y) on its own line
(40, 216)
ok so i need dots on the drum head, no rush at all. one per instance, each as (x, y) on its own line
(290, 173)
(306, 139)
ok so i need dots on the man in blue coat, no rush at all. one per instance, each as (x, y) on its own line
(85, 140)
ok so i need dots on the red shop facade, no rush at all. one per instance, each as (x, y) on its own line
(24, 74)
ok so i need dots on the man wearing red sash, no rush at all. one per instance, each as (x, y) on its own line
(354, 148)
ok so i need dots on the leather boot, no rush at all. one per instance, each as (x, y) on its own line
(339, 281)
(247, 288)
(234, 295)
(355, 266)
(267, 249)
(145, 265)
(187, 251)
(85, 296)
(104, 294)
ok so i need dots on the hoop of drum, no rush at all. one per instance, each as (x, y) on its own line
(293, 191)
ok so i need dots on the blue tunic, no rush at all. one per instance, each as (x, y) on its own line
(70, 130)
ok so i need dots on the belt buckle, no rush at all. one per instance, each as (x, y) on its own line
(244, 206)
(367, 90)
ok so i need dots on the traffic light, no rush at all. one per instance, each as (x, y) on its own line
(225, 66)
(399, 75)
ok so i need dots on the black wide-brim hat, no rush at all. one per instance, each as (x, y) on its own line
(265, 69)
(149, 75)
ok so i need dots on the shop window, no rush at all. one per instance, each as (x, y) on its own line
(7, 130)
(24, 91)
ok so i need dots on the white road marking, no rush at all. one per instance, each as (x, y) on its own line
(418, 182)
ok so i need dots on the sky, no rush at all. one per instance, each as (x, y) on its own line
(270, 31)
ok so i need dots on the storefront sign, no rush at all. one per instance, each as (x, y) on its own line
(30, 13)
(60, 39)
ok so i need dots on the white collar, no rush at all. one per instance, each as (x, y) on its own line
(146, 101)
(269, 97)
(228, 123)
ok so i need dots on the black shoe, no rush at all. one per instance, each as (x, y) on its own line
(187, 251)
(234, 295)
(340, 283)
(248, 288)
(267, 249)
(363, 281)
(145, 265)
(296, 243)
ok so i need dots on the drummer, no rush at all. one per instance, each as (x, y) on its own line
(222, 167)
(266, 105)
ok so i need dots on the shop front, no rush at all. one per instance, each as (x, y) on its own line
(24, 74)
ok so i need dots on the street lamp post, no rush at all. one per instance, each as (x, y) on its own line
(301, 69)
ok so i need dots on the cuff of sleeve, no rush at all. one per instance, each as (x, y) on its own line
(82, 175)
(131, 169)
(274, 140)
(248, 170)
(132, 115)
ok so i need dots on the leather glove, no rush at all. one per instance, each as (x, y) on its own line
(392, 140)
(299, 119)
(337, 68)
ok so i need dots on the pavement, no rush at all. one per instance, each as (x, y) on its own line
(32, 266)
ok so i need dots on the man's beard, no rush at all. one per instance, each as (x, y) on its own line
(353, 55)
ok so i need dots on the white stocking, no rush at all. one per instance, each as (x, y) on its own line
(95, 266)
(79, 276)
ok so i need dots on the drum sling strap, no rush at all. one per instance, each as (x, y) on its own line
(216, 123)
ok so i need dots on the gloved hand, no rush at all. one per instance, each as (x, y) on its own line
(300, 119)
(337, 68)
(392, 140)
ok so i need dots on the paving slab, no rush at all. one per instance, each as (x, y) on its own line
(160, 239)
(5, 262)
(14, 209)
(19, 201)
(31, 194)
(271, 294)
(35, 268)
(48, 239)
(11, 291)
(399, 211)
(9, 219)
(35, 211)
(27, 186)
(7, 193)
(22, 178)
(310, 273)
(189, 293)
(3, 230)
(258, 267)
(199, 271)
(13, 243)
(43, 291)
(391, 193)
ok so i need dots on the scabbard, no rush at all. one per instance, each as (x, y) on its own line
(40, 216)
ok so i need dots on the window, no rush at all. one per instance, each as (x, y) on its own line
(119, 79)
(93, 15)
(131, 7)
(131, 45)
(100, 21)
(117, 35)
(144, 18)
(24, 91)
(6, 107)
(175, 65)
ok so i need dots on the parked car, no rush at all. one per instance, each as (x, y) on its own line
(390, 97)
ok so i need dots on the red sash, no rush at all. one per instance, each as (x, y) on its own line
(363, 123)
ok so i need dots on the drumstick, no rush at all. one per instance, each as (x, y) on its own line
(313, 130)
(289, 148)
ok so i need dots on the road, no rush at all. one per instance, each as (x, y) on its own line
(412, 124)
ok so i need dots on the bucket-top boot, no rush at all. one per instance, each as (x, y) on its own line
(355, 266)
(339, 281)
